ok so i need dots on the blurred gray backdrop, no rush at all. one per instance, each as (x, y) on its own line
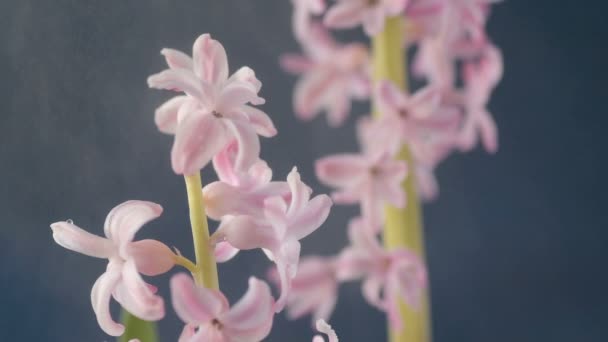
(516, 241)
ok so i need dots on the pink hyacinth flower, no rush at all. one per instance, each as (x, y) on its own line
(480, 77)
(372, 178)
(419, 116)
(325, 328)
(370, 13)
(314, 290)
(127, 259)
(215, 109)
(279, 231)
(332, 75)
(388, 275)
(209, 318)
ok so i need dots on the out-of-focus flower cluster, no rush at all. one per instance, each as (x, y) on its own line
(459, 66)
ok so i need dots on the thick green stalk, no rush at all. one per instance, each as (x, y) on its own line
(403, 226)
(206, 268)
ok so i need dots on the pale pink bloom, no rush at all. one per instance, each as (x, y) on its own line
(388, 275)
(209, 317)
(127, 259)
(332, 75)
(314, 290)
(214, 110)
(240, 192)
(480, 77)
(370, 13)
(325, 328)
(372, 178)
(278, 232)
(418, 116)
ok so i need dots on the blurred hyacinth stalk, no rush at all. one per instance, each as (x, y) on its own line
(402, 143)
(215, 121)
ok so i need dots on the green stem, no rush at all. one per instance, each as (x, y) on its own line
(403, 226)
(206, 269)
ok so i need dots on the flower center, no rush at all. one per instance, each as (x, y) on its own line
(217, 324)
(217, 114)
(404, 113)
(375, 171)
(371, 3)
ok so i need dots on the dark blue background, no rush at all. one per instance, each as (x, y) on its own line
(516, 242)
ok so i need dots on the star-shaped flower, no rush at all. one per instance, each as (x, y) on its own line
(126, 260)
(215, 109)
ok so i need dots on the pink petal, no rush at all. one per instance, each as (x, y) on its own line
(182, 80)
(294, 63)
(488, 132)
(100, 299)
(341, 170)
(425, 102)
(78, 240)
(311, 217)
(287, 263)
(152, 257)
(395, 7)
(389, 97)
(248, 152)
(195, 305)
(243, 232)
(127, 218)
(247, 75)
(339, 106)
(224, 251)
(210, 60)
(236, 94)
(222, 199)
(310, 92)
(137, 296)
(166, 116)
(345, 14)
(187, 333)
(260, 121)
(223, 163)
(300, 193)
(200, 136)
(372, 286)
(250, 319)
(176, 59)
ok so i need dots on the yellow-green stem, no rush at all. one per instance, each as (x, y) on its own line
(206, 269)
(403, 226)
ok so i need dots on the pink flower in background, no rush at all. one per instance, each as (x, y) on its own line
(209, 317)
(372, 178)
(480, 78)
(126, 260)
(388, 275)
(332, 75)
(369, 13)
(214, 110)
(325, 328)
(314, 290)
(278, 232)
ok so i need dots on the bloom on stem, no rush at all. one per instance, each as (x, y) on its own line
(370, 13)
(314, 289)
(332, 74)
(372, 177)
(398, 273)
(209, 317)
(278, 232)
(215, 109)
(126, 260)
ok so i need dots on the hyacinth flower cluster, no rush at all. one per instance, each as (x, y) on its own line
(409, 134)
(214, 122)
